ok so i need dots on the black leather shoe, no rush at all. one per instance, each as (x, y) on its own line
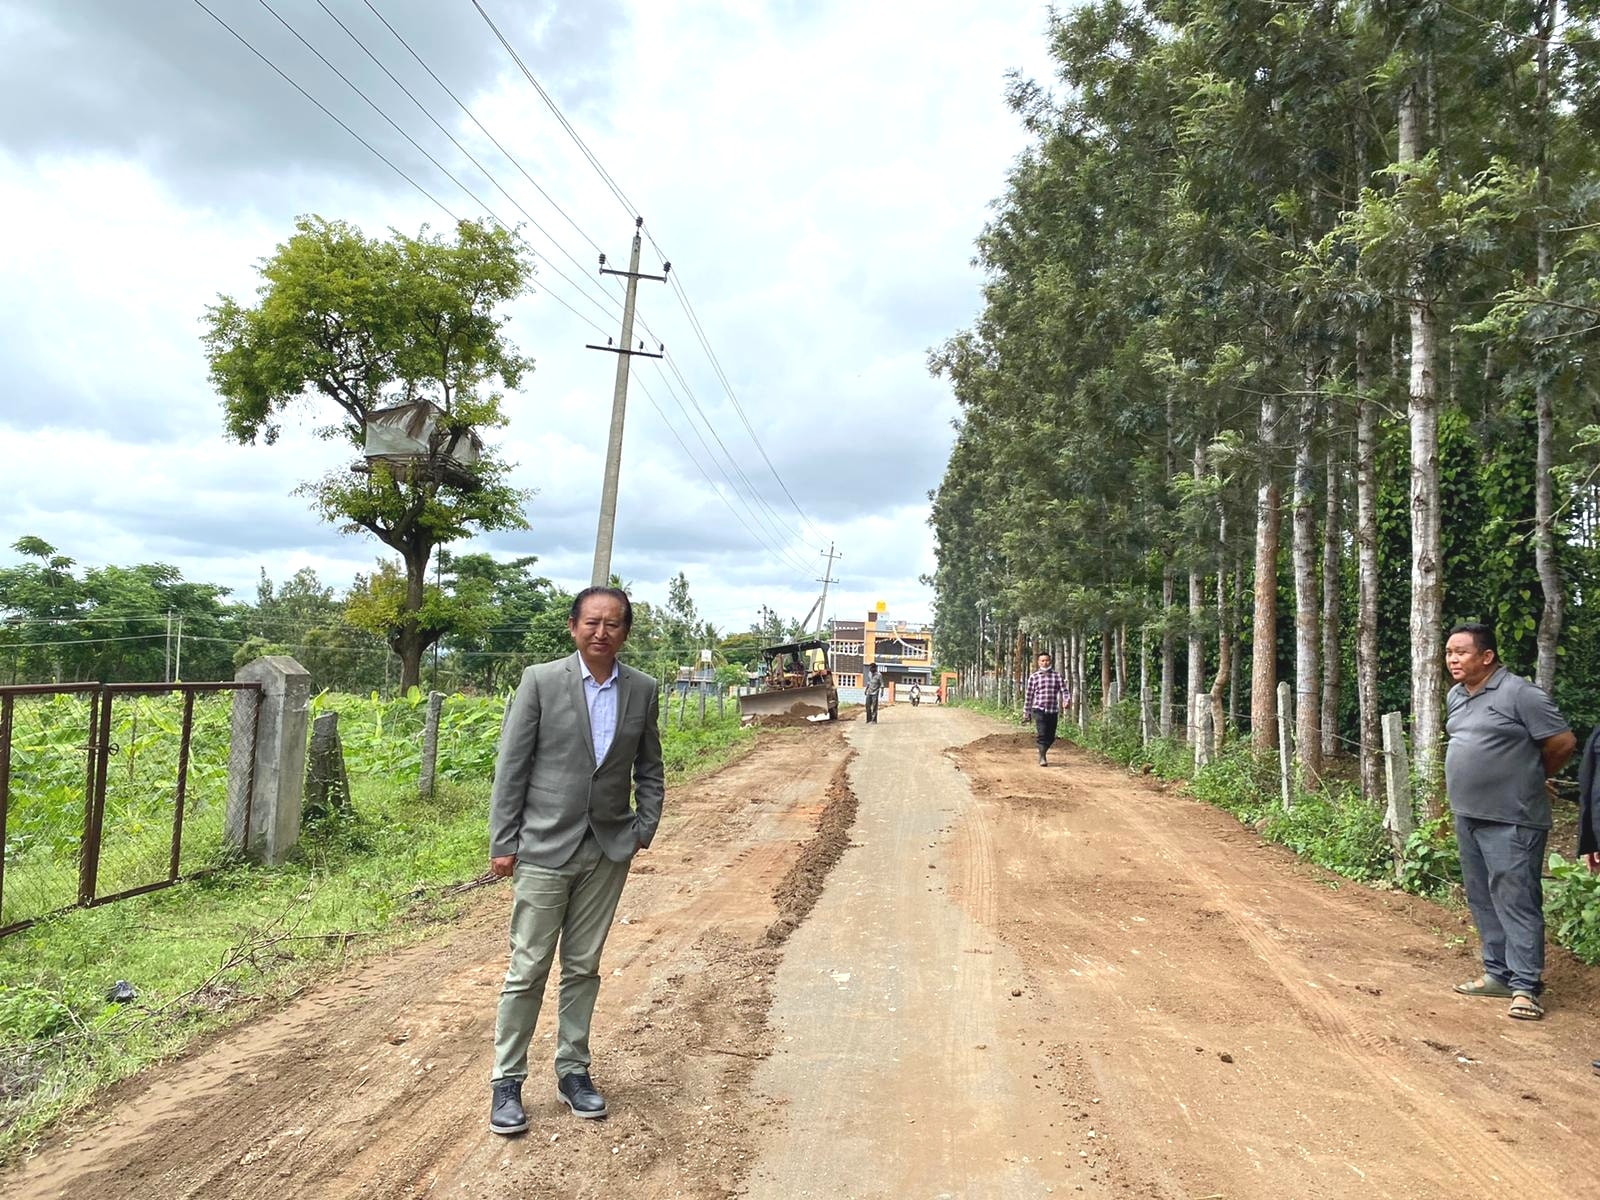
(577, 1090)
(505, 1113)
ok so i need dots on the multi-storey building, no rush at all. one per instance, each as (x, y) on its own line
(903, 651)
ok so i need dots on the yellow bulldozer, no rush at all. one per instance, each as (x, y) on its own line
(795, 681)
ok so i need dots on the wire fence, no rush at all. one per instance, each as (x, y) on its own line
(108, 792)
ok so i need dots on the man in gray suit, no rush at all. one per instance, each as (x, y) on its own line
(561, 825)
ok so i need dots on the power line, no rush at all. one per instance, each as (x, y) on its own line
(326, 112)
(445, 208)
(473, 118)
(443, 170)
(483, 170)
(777, 549)
(627, 205)
(773, 525)
(683, 298)
(716, 365)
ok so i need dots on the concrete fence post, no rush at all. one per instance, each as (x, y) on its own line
(264, 803)
(1398, 818)
(1204, 737)
(430, 745)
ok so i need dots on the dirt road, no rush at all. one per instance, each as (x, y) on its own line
(1014, 982)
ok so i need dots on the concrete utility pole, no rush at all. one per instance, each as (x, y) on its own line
(601, 575)
(827, 578)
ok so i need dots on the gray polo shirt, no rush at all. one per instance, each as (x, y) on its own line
(1492, 767)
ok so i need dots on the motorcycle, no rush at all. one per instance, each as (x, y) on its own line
(916, 697)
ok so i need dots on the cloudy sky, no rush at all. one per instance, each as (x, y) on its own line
(815, 171)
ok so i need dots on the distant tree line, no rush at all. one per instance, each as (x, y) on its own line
(60, 622)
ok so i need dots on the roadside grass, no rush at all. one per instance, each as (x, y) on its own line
(210, 951)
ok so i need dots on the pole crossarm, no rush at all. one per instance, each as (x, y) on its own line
(620, 350)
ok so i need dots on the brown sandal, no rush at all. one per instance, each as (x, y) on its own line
(1525, 1007)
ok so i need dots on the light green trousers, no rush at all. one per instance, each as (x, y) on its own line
(572, 905)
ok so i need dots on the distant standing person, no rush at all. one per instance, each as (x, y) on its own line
(872, 685)
(1041, 701)
(581, 736)
(1506, 740)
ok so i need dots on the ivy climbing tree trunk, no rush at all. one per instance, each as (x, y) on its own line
(1169, 651)
(1307, 634)
(1332, 594)
(1219, 682)
(1264, 631)
(1552, 613)
(1427, 592)
(1197, 606)
(1372, 788)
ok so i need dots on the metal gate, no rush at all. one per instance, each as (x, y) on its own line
(114, 790)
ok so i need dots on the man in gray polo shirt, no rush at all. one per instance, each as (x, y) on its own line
(1506, 739)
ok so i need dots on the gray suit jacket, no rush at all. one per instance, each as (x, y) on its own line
(548, 789)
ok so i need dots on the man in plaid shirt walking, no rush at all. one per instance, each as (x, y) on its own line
(1042, 702)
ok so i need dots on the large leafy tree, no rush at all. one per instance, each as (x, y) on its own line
(364, 324)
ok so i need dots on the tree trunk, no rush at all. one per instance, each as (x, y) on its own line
(1083, 679)
(1307, 649)
(1169, 652)
(1144, 687)
(1264, 630)
(1372, 785)
(410, 642)
(1197, 603)
(1544, 537)
(1105, 666)
(1332, 597)
(1219, 682)
(1427, 598)
(1235, 625)
(1122, 661)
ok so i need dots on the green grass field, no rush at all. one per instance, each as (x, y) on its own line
(208, 951)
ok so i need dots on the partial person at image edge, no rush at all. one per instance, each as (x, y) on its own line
(581, 736)
(1589, 813)
(1506, 740)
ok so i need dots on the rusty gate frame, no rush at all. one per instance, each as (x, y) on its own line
(97, 750)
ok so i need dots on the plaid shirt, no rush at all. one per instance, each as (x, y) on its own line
(1045, 692)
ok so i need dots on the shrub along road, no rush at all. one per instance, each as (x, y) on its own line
(1014, 982)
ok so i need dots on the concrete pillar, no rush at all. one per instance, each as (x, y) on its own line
(274, 794)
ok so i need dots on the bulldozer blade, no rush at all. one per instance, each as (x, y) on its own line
(809, 703)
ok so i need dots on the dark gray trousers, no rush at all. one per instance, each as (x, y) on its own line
(1044, 729)
(1501, 865)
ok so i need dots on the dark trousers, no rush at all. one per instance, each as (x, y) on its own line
(1500, 866)
(1044, 729)
(872, 706)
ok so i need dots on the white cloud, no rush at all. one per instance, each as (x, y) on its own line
(816, 173)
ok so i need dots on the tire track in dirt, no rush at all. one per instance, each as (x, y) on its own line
(1163, 936)
(376, 1083)
(1480, 1156)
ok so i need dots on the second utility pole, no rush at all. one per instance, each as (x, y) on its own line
(827, 578)
(601, 575)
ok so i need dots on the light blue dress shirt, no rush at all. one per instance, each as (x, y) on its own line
(602, 698)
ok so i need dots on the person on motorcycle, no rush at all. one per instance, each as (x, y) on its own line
(916, 695)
